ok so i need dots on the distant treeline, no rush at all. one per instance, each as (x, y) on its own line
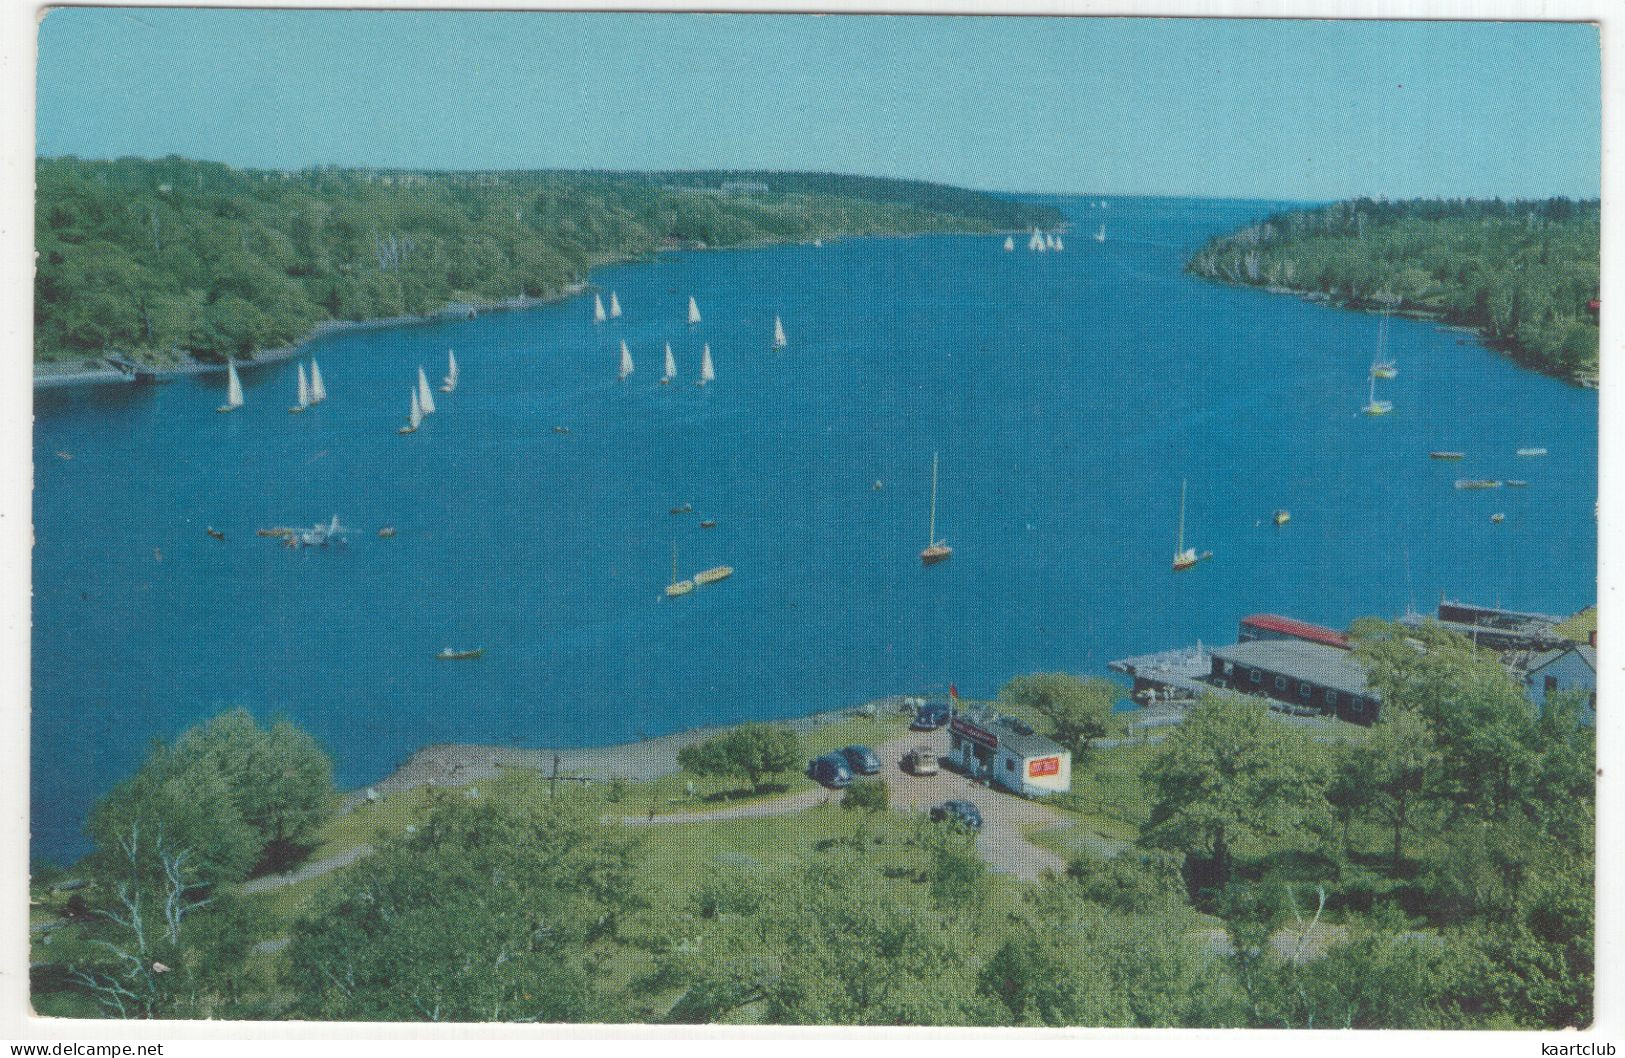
(175, 257)
(1524, 273)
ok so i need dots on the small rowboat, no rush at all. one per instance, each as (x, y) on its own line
(450, 654)
(1498, 518)
(1283, 516)
(1469, 483)
(708, 524)
(217, 534)
(1446, 455)
(278, 531)
(683, 508)
(1514, 484)
(1531, 451)
(387, 531)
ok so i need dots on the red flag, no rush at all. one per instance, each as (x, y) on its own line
(953, 692)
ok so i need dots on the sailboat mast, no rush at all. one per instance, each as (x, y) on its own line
(932, 538)
(1179, 548)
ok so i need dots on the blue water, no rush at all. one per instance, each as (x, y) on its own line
(1068, 395)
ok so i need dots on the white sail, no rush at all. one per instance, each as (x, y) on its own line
(318, 391)
(451, 367)
(416, 417)
(626, 362)
(693, 311)
(1049, 241)
(614, 305)
(1035, 243)
(779, 340)
(598, 309)
(1100, 236)
(708, 373)
(234, 386)
(425, 398)
(1009, 242)
(1059, 246)
(671, 365)
(304, 388)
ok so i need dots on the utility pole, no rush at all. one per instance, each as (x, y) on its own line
(553, 784)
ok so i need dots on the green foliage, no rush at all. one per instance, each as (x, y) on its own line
(869, 795)
(1078, 711)
(1132, 881)
(170, 257)
(1230, 775)
(1522, 272)
(487, 913)
(751, 752)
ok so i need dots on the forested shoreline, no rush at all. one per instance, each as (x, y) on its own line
(173, 259)
(1523, 273)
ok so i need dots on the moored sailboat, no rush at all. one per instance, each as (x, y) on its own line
(935, 550)
(304, 393)
(614, 306)
(708, 371)
(234, 388)
(1373, 406)
(671, 367)
(450, 382)
(598, 309)
(1009, 243)
(779, 340)
(626, 361)
(318, 391)
(712, 575)
(693, 312)
(1185, 557)
(1100, 236)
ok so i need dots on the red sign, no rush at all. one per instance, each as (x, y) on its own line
(966, 729)
(1043, 766)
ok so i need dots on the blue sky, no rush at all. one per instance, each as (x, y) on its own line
(1233, 108)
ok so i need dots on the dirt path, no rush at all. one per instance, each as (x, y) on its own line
(314, 869)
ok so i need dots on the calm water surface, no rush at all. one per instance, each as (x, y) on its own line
(1068, 395)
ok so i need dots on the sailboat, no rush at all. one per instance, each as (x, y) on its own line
(693, 312)
(318, 392)
(1100, 236)
(1381, 368)
(1184, 557)
(614, 306)
(779, 340)
(234, 388)
(415, 419)
(1036, 243)
(1059, 246)
(1009, 243)
(598, 309)
(1049, 241)
(304, 393)
(1374, 406)
(450, 382)
(626, 361)
(677, 587)
(671, 367)
(708, 372)
(425, 398)
(935, 550)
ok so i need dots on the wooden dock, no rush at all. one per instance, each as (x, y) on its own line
(1169, 675)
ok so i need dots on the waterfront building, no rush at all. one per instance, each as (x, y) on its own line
(1007, 752)
(1307, 678)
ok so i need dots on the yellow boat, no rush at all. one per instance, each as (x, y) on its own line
(1283, 516)
(714, 574)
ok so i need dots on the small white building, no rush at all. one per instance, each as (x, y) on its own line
(1568, 668)
(1009, 753)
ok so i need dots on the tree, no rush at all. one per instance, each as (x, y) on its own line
(489, 912)
(1078, 711)
(1231, 775)
(751, 752)
(1389, 769)
(280, 779)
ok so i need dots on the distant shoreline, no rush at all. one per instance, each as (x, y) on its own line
(110, 375)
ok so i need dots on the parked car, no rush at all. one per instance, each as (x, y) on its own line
(830, 770)
(963, 813)
(921, 760)
(861, 759)
(930, 717)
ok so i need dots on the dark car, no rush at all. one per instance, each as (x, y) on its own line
(830, 770)
(861, 759)
(961, 812)
(930, 717)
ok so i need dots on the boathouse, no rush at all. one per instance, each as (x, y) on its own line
(1273, 626)
(1569, 668)
(1307, 678)
(1009, 753)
